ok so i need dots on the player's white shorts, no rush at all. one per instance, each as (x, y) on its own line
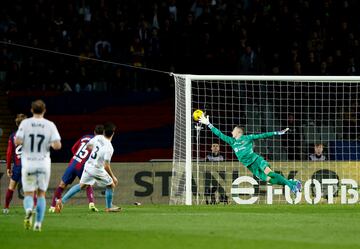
(35, 174)
(93, 174)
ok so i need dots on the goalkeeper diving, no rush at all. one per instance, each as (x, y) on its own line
(243, 148)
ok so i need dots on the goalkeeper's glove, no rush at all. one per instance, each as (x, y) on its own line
(204, 119)
(282, 132)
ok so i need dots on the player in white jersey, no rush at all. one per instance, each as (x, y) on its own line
(36, 135)
(97, 169)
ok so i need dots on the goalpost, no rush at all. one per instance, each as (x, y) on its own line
(320, 111)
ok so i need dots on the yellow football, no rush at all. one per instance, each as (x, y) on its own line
(197, 114)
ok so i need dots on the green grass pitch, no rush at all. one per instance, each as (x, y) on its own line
(248, 226)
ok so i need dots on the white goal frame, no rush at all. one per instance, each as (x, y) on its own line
(188, 106)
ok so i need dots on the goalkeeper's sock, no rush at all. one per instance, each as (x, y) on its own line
(279, 179)
(108, 197)
(74, 189)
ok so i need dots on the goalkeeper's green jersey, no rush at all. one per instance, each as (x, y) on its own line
(243, 147)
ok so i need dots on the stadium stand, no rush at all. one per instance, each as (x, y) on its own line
(297, 37)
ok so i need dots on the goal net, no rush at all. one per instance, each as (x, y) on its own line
(321, 148)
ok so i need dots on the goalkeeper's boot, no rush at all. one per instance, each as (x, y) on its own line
(6, 211)
(92, 207)
(293, 188)
(28, 219)
(51, 210)
(59, 206)
(298, 185)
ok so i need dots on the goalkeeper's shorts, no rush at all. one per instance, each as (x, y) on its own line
(258, 168)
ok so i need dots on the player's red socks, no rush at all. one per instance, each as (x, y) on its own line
(57, 195)
(35, 199)
(90, 194)
(8, 197)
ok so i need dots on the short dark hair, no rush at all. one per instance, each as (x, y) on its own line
(109, 129)
(38, 106)
(99, 129)
(240, 127)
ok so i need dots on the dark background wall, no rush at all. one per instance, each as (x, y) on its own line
(292, 37)
(144, 121)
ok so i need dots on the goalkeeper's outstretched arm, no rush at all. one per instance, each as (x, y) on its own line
(237, 133)
(205, 120)
(267, 134)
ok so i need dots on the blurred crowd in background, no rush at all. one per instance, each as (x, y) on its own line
(288, 37)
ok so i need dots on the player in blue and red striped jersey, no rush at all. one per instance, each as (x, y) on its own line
(13, 154)
(75, 169)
